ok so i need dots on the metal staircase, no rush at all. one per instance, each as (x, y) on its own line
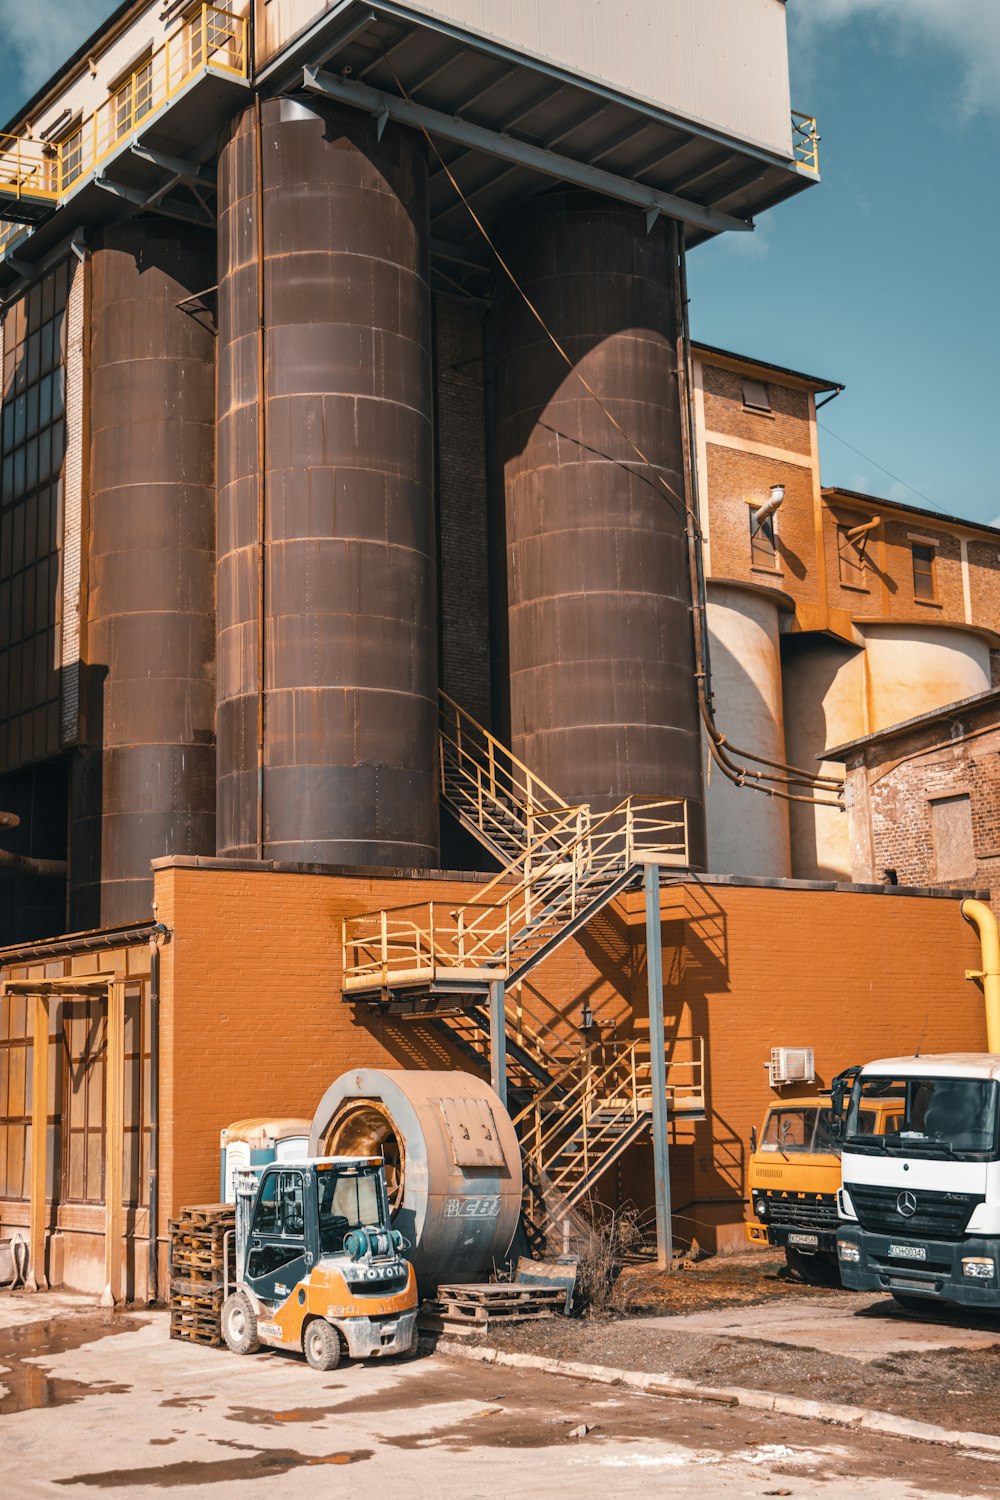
(577, 1106)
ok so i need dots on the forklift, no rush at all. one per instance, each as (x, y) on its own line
(319, 1267)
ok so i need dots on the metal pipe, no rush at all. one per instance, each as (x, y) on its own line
(23, 864)
(154, 1115)
(981, 917)
(658, 1070)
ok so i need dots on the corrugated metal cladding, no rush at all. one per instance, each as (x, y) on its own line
(350, 652)
(602, 689)
(33, 440)
(722, 63)
(144, 783)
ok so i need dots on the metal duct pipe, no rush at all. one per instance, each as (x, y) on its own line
(24, 864)
(981, 917)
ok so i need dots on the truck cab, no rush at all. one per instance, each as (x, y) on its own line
(318, 1266)
(920, 1198)
(793, 1178)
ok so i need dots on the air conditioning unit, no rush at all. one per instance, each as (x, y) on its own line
(791, 1065)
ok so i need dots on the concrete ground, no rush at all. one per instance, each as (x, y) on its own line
(93, 1402)
(858, 1326)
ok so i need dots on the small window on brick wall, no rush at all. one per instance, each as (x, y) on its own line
(756, 396)
(763, 545)
(853, 560)
(951, 827)
(924, 585)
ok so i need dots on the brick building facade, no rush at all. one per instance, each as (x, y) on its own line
(924, 798)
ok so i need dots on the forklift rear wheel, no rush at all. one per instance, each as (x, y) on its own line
(814, 1270)
(239, 1324)
(321, 1345)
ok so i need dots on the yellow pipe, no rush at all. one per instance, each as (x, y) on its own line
(982, 918)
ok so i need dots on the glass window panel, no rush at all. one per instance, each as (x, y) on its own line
(95, 1166)
(18, 485)
(3, 1162)
(33, 349)
(75, 1172)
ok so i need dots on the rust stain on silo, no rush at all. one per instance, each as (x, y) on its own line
(143, 785)
(349, 677)
(602, 689)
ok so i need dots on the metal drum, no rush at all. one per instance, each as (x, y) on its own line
(453, 1163)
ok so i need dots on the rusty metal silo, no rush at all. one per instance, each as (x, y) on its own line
(327, 716)
(143, 783)
(602, 689)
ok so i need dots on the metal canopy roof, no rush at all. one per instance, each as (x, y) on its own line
(522, 102)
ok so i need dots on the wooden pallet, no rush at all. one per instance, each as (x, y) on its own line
(476, 1305)
(198, 1253)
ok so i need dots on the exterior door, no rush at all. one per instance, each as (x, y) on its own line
(278, 1257)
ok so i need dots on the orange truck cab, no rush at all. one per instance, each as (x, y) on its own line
(319, 1268)
(792, 1182)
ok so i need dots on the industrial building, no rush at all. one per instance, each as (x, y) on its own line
(390, 590)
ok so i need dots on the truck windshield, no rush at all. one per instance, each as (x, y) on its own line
(351, 1199)
(944, 1118)
(801, 1128)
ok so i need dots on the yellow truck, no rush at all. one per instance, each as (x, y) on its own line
(792, 1182)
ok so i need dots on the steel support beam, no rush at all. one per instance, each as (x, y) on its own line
(518, 153)
(180, 169)
(114, 1145)
(658, 1070)
(498, 1041)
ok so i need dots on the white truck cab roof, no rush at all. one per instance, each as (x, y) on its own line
(938, 1065)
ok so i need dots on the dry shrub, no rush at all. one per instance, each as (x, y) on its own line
(612, 1237)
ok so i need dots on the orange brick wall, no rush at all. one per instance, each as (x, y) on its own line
(252, 1022)
(786, 426)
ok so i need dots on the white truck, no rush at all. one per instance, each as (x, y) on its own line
(919, 1202)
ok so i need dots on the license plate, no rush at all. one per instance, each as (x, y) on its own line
(804, 1239)
(908, 1252)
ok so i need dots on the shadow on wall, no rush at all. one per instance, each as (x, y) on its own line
(33, 908)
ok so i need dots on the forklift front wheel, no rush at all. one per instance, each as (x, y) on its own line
(239, 1324)
(321, 1345)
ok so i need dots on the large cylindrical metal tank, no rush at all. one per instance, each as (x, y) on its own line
(747, 831)
(144, 782)
(602, 688)
(325, 381)
(915, 669)
(453, 1162)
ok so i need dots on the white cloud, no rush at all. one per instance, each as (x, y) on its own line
(968, 29)
(38, 36)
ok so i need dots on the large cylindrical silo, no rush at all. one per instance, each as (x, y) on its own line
(748, 832)
(144, 782)
(602, 687)
(326, 736)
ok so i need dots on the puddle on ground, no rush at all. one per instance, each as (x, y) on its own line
(181, 1403)
(253, 1463)
(257, 1417)
(29, 1386)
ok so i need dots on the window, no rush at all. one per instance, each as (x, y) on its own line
(763, 546)
(756, 396)
(924, 586)
(853, 559)
(951, 826)
(70, 155)
(132, 99)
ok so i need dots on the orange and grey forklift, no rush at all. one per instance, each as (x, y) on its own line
(318, 1265)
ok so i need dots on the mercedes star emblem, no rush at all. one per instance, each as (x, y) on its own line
(907, 1204)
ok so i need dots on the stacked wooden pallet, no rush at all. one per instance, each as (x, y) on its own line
(472, 1307)
(198, 1253)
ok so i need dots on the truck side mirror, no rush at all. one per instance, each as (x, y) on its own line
(753, 1138)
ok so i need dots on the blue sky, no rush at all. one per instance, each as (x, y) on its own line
(884, 277)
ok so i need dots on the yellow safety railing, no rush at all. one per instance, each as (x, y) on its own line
(574, 1125)
(211, 38)
(484, 779)
(543, 891)
(805, 141)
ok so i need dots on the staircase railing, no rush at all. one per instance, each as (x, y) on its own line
(570, 1129)
(473, 760)
(554, 881)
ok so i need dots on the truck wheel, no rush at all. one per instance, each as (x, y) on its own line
(239, 1324)
(814, 1270)
(321, 1345)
